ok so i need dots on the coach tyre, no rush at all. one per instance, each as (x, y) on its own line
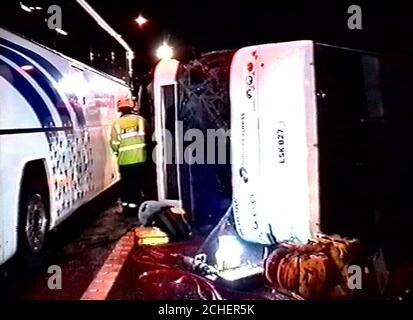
(34, 213)
(36, 223)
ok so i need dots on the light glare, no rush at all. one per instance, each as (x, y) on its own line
(164, 51)
(27, 67)
(228, 255)
(141, 20)
(60, 31)
(25, 8)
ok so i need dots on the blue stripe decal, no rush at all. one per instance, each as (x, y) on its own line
(43, 82)
(29, 93)
(53, 71)
(33, 55)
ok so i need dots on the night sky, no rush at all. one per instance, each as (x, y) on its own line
(212, 25)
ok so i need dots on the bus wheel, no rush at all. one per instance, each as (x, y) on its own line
(36, 223)
(34, 217)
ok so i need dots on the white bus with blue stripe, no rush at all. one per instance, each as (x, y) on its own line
(55, 118)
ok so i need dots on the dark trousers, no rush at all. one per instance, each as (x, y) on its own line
(132, 184)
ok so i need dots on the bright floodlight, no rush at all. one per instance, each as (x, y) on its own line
(141, 20)
(164, 51)
(228, 255)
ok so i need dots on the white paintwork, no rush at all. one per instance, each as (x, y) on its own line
(281, 192)
(99, 92)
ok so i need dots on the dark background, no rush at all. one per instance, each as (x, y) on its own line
(209, 25)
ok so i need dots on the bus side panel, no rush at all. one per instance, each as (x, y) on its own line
(15, 152)
(88, 164)
(100, 113)
(79, 162)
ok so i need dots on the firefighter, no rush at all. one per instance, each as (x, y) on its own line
(128, 142)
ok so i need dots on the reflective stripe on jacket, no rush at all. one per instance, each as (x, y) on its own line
(128, 139)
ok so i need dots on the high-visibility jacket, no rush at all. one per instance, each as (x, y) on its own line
(128, 139)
